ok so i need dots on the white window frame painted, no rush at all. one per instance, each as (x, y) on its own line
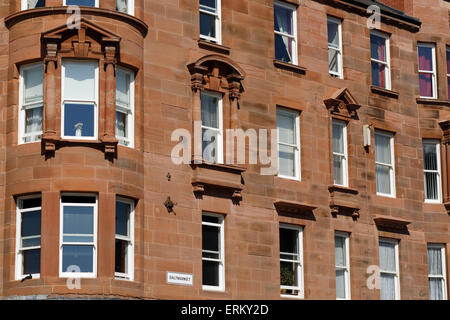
(130, 239)
(433, 72)
(346, 267)
(127, 142)
(437, 145)
(296, 146)
(23, 106)
(19, 275)
(217, 18)
(83, 102)
(221, 260)
(130, 7)
(64, 274)
(396, 273)
(391, 166)
(300, 272)
(96, 3)
(292, 36)
(344, 156)
(386, 63)
(443, 277)
(219, 137)
(340, 73)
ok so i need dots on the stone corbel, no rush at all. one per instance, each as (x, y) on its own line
(197, 77)
(234, 83)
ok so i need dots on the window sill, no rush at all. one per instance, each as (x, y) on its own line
(300, 209)
(212, 46)
(384, 92)
(391, 224)
(213, 289)
(52, 143)
(285, 296)
(432, 101)
(289, 67)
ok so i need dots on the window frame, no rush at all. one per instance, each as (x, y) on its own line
(96, 4)
(221, 260)
(340, 73)
(297, 146)
(130, 239)
(397, 266)
(444, 270)
(391, 166)
(19, 275)
(130, 112)
(220, 151)
(130, 8)
(300, 270)
(344, 155)
(434, 82)
(22, 106)
(386, 63)
(65, 274)
(346, 268)
(81, 102)
(437, 144)
(294, 35)
(217, 20)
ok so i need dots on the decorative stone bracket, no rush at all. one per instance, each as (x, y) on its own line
(341, 104)
(391, 224)
(298, 209)
(344, 201)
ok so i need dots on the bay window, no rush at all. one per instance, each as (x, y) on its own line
(342, 262)
(31, 103)
(86, 3)
(436, 272)
(432, 170)
(389, 269)
(124, 255)
(288, 144)
(210, 20)
(427, 70)
(125, 6)
(78, 236)
(125, 107)
(384, 163)
(213, 264)
(31, 4)
(28, 237)
(291, 261)
(334, 27)
(285, 29)
(79, 92)
(212, 127)
(340, 153)
(380, 60)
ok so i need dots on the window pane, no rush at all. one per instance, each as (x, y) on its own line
(338, 170)
(210, 271)
(211, 219)
(79, 120)
(81, 238)
(340, 284)
(425, 58)
(426, 84)
(122, 218)
(429, 156)
(289, 241)
(210, 238)
(333, 33)
(383, 179)
(283, 19)
(286, 128)
(431, 186)
(31, 223)
(333, 61)
(387, 284)
(283, 48)
(88, 3)
(77, 199)
(448, 61)
(207, 25)
(208, 3)
(121, 124)
(378, 47)
(387, 256)
(78, 220)
(378, 75)
(35, 4)
(33, 120)
(435, 261)
(31, 261)
(122, 5)
(448, 87)
(338, 137)
(436, 290)
(81, 256)
(286, 161)
(123, 89)
(289, 274)
(30, 203)
(31, 242)
(382, 148)
(210, 106)
(79, 81)
(33, 90)
(121, 256)
(339, 251)
(210, 138)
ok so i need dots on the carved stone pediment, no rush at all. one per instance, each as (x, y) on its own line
(342, 104)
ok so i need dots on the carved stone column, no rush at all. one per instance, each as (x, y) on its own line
(50, 137)
(109, 137)
(234, 82)
(445, 125)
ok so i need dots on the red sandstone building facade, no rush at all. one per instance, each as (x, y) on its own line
(90, 191)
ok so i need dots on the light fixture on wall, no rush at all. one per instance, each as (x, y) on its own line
(367, 136)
